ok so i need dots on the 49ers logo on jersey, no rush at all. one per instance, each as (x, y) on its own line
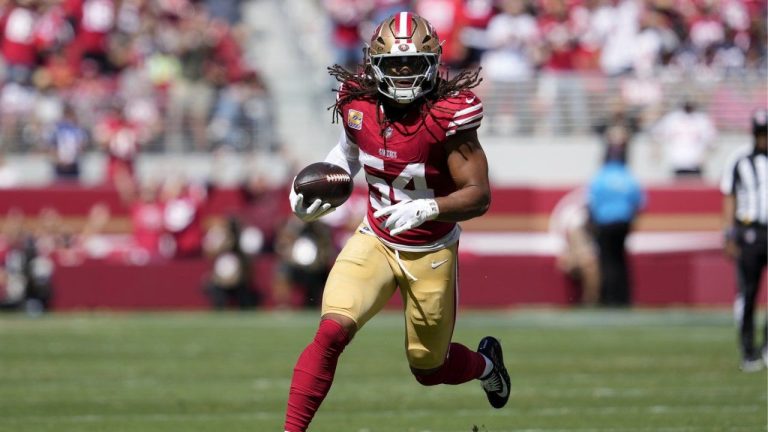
(355, 119)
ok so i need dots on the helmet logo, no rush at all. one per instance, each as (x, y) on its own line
(403, 47)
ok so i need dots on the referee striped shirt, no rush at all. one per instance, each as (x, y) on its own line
(745, 179)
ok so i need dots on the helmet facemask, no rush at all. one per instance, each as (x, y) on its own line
(404, 57)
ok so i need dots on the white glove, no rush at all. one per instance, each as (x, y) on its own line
(315, 211)
(407, 215)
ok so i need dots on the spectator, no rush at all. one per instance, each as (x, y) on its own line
(447, 16)
(40, 249)
(93, 21)
(16, 106)
(578, 259)
(617, 132)
(9, 175)
(508, 64)
(561, 91)
(242, 119)
(146, 213)
(53, 31)
(192, 95)
(305, 251)
(615, 198)
(182, 216)
(120, 140)
(13, 280)
(687, 136)
(617, 25)
(227, 10)
(91, 240)
(512, 35)
(67, 142)
(231, 278)
(476, 16)
(346, 17)
(653, 41)
(264, 208)
(17, 27)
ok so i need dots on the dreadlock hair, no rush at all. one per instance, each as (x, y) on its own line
(361, 85)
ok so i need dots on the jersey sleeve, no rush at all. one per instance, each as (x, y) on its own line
(730, 173)
(468, 113)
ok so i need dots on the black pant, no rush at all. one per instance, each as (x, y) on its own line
(614, 275)
(241, 295)
(749, 269)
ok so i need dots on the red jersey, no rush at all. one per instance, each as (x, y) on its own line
(406, 159)
(122, 138)
(122, 145)
(95, 19)
(147, 221)
(183, 219)
(18, 42)
(51, 29)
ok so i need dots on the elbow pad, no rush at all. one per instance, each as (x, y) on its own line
(345, 154)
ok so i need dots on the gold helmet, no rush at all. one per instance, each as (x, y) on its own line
(404, 56)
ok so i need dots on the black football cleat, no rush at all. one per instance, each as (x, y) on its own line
(497, 383)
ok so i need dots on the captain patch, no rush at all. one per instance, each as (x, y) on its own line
(355, 119)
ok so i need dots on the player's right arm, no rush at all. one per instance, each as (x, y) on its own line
(345, 154)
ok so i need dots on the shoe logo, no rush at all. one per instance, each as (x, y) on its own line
(438, 264)
(504, 389)
(469, 100)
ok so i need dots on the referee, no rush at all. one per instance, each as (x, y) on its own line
(744, 212)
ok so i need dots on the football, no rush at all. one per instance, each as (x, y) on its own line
(324, 181)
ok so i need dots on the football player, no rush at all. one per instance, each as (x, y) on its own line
(414, 134)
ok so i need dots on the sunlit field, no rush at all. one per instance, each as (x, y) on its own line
(668, 370)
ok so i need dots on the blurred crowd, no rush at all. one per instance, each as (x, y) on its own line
(125, 75)
(177, 219)
(516, 39)
(559, 66)
(129, 76)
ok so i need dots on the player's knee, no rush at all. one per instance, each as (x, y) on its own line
(424, 360)
(429, 377)
(348, 325)
(332, 335)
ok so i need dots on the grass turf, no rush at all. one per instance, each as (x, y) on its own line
(660, 371)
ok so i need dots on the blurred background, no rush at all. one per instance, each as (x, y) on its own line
(147, 146)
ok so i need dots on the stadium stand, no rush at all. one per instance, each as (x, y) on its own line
(248, 97)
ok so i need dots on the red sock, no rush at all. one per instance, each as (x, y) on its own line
(462, 365)
(313, 375)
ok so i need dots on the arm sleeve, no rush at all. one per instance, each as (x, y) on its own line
(345, 154)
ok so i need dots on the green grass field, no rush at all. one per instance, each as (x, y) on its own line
(659, 371)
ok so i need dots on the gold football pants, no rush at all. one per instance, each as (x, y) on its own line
(367, 273)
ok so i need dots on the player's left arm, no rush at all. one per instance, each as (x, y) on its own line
(468, 167)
